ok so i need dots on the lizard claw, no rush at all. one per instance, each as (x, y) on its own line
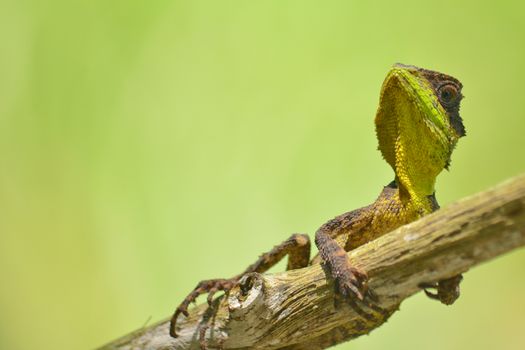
(351, 287)
(211, 293)
(203, 287)
(351, 284)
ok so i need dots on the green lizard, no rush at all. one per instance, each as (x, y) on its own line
(417, 125)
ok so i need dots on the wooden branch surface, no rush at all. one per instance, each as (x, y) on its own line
(295, 309)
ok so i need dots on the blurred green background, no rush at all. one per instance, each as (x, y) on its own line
(141, 141)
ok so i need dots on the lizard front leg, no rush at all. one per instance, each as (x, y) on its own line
(297, 247)
(447, 290)
(349, 281)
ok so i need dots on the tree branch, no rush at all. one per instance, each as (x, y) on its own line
(295, 309)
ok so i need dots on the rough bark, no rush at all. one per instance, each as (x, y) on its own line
(295, 309)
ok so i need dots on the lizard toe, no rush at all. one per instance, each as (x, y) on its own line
(447, 290)
(207, 286)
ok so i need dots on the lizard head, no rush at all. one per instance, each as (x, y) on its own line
(418, 125)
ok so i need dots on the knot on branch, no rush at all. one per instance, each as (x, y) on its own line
(247, 296)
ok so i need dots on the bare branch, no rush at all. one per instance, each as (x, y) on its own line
(295, 309)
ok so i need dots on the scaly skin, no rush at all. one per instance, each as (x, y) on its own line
(417, 126)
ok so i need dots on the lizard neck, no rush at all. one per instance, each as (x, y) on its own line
(418, 192)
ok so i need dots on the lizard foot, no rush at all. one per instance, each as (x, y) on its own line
(208, 286)
(351, 286)
(447, 290)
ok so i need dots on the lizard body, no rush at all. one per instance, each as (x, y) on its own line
(417, 126)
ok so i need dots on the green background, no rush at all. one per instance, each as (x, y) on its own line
(145, 146)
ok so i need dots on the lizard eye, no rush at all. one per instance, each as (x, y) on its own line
(448, 95)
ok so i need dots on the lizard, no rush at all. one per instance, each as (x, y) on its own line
(417, 126)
